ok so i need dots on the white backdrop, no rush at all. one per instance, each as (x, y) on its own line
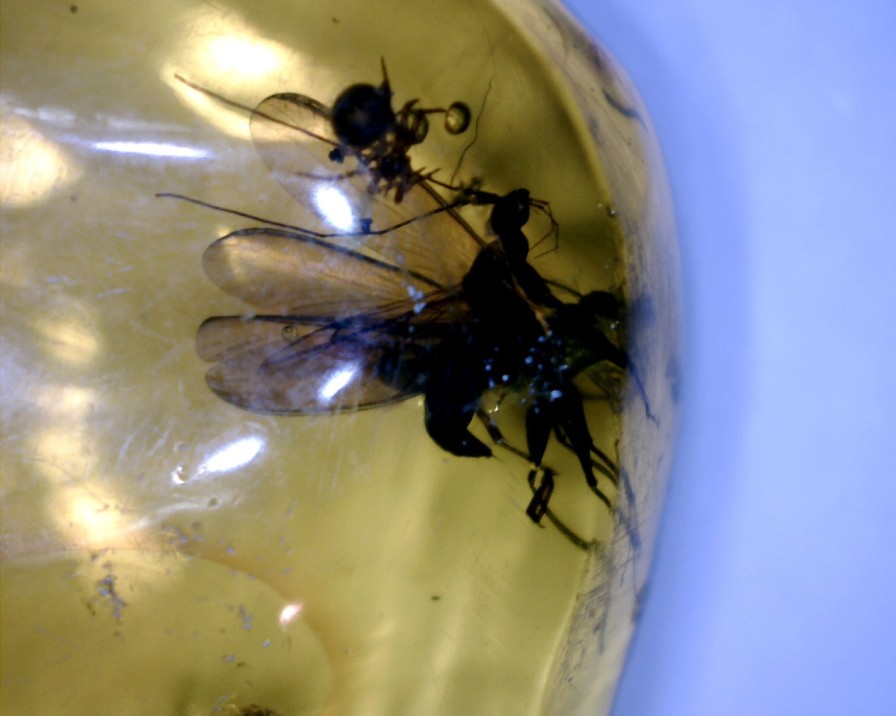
(774, 589)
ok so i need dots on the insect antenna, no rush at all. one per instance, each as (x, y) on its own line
(538, 506)
(365, 229)
(252, 111)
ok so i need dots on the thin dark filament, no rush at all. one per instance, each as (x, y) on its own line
(316, 241)
(251, 111)
(309, 232)
(475, 137)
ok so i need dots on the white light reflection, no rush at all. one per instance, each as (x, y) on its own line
(334, 208)
(84, 507)
(289, 613)
(243, 53)
(70, 401)
(90, 516)
(62, 451)
(70, 338)
(230, 55)
(153, 149)
(33, 166)
(177, 475)
(232, 456)
(337, 381)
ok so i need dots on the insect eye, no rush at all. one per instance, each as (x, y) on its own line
(457, 118)
(362, 114)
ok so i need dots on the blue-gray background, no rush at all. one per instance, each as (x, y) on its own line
(774, 587)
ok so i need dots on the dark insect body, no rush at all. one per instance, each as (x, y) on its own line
(359, 145)
(369, 128)
(340, 162)
(361, 324)
(403, 297)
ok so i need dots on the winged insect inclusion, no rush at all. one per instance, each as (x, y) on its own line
(350, 165)
(352, 313)
(359, 146)
(392, 315)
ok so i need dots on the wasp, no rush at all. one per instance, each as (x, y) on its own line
(352, 323)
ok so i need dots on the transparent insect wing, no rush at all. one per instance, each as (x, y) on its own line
(294, 136)
(287, 272)
(284, 364)
(290, 272)
(436, 242)
(261, 366)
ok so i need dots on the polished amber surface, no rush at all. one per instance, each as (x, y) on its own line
(165, 552)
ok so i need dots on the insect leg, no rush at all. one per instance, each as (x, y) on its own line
(541, 490)
(570, 416)
(449, 432)
(539, 421)
(606, 466)
(538, 508)
(497, 436)
(567, 418)
(541, 493)
(450, 402)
